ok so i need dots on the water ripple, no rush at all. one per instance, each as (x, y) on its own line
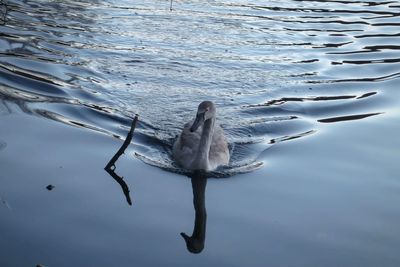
(278, 71)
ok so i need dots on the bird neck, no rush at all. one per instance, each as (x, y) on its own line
(199, 188)
(201, 160)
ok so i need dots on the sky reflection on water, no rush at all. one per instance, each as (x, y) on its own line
(306, 92)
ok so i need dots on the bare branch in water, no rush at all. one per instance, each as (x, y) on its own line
(124, 186)
(111, 164)
(110, 167)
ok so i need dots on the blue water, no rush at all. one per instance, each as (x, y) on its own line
(306, 91)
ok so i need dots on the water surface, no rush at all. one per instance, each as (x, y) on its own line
(307, 95)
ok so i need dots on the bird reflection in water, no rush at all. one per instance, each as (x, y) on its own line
(195, 242)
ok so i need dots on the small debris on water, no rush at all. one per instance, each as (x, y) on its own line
(50, 187)
(3, 201)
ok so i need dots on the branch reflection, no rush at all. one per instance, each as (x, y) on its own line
(195, 242)
(121, 182)
(110, 167)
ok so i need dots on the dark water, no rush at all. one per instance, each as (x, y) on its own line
(307, 92)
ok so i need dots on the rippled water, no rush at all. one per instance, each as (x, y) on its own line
(277, 70)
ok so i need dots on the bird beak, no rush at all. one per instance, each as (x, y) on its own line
(193, 245)
(186, 237)
(197, 122)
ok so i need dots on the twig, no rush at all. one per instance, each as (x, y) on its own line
(170, 6)
(111, 164)
(124, 186)
(110, 167)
